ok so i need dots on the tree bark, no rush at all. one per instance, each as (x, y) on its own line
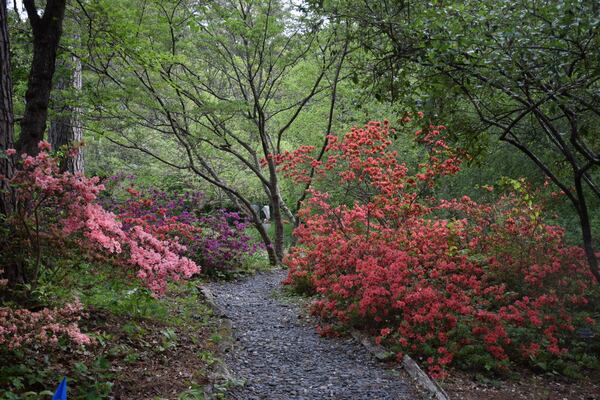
(13, 271)
(278, 222)
(47, 31)
(6, 114)
(264, 235)
(586, 229)
(65, 128)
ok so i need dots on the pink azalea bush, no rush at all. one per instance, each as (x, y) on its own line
(452, 281)
(57, 214)
(21, 327)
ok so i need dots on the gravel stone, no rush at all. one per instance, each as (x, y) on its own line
(279, 355)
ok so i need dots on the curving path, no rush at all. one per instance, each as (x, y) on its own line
(279, 355)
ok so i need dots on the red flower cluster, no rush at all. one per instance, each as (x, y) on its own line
(440, 279)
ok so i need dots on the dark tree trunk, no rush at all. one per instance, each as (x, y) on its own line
(6, 114)
(264, 235)
(278, 221)
(47, 31)
(586, 229)
(65, 126)
(275, 203)
(12, 271)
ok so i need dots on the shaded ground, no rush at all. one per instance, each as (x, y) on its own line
(144, 349)
(463, 386)
(279, 355)
(148, 358)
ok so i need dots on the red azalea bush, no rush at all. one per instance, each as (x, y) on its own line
(452, 281)
(57, 218)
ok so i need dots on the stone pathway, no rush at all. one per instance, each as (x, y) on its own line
(279, 355)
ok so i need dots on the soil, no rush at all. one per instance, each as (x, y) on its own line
(144, 359)
(464, 386)
(158, 370)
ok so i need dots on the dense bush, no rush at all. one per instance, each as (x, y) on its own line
(21, 327)
(216, 240)
(452, 281)
(56, 223)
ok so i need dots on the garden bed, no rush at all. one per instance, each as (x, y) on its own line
(528, 386)
(144, 348)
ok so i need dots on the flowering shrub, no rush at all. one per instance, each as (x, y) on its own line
(57, 213)
(19, 327)
(225, 243)
(217, 241)
(452, 281)
(62, 206)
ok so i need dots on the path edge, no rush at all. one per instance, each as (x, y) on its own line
(409, 365)
(220, 372)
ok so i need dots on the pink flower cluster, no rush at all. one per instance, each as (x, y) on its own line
(58, 208)
(23, 327)
(39, 184)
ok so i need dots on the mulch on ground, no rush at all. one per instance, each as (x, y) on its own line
(144, 364)
(461, 385)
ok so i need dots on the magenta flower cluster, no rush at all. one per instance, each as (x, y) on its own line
(215, 239)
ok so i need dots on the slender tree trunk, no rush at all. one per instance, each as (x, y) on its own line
(264, 235)
(246, 207)
(275, 203)
(278, 222)
(586, 229)
(13, 271)
(6, 115)
(65, 127)
(47, 31)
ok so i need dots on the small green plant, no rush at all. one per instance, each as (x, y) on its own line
(169, 339)
(195, 392)
(216, 338)
(132, 358)
(208, 357)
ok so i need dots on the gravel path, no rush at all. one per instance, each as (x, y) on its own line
(279, 355)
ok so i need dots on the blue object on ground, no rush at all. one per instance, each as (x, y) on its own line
(61, 390)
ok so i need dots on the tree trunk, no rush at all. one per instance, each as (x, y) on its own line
(589, 248)
(65, 128)
(6, 114)
(586, 229)
(12, 271)
(275, 203)
(246, 207)
(273, 259)
(47, 31)
(278, 222)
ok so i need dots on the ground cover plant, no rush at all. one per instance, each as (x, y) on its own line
(453, 281)
(142, 346)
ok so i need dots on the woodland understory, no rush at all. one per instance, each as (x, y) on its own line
(427, 173)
